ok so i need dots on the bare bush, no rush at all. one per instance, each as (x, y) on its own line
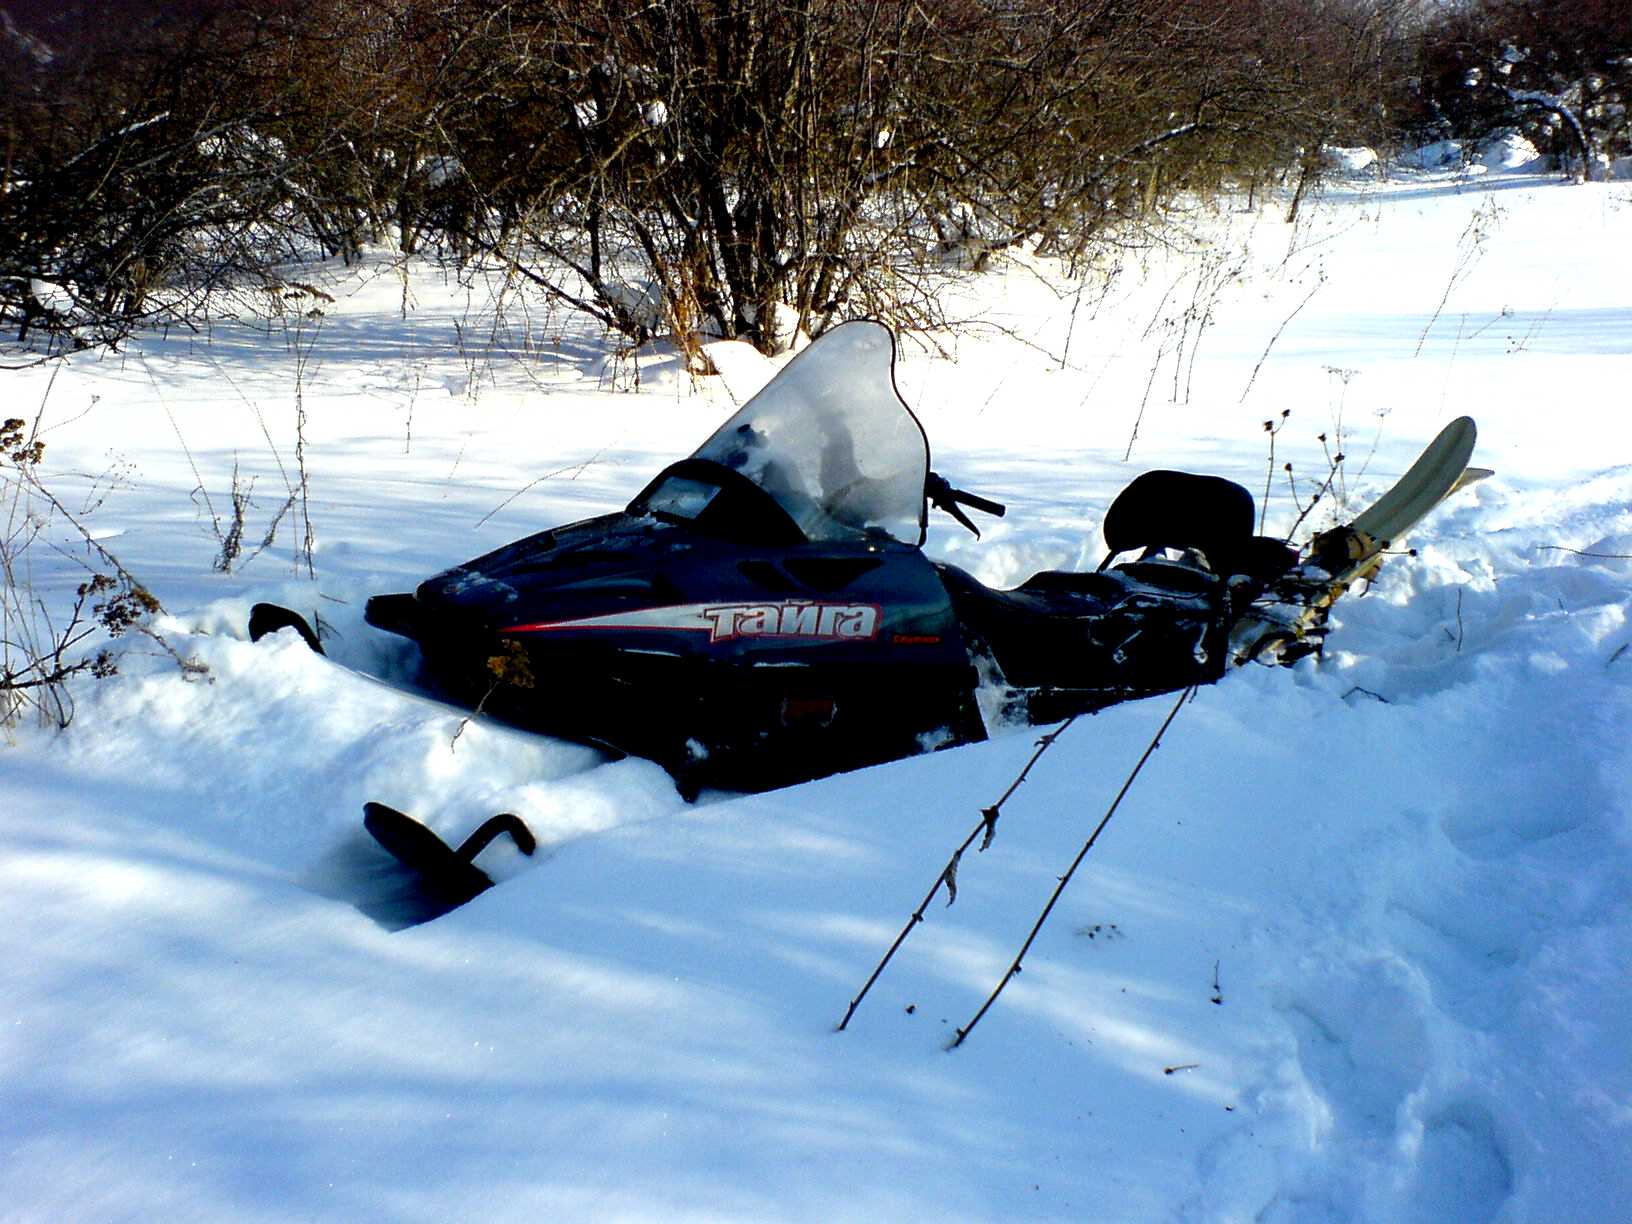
(40, 653)
(743, 167)
(132, 184)
(738, 168)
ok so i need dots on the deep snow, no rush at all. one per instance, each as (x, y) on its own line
(1356, 947)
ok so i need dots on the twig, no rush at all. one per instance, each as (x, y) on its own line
(575, 468)
(1285, 323)
(1139, 417)
(962, 1034)
(1336, 462)
(1578, 552)
(949, 873)
(198, 479)
(1271, 428)
(1365, 692)
(308, 540)
(1469, 248)
(1071, 323)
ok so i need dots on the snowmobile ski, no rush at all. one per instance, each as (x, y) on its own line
(448, 875)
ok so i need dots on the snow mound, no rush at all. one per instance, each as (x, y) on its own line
(1440, 155)
(1510, 152)
(1349, 161)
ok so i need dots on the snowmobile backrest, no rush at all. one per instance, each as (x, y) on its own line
(1165, 509)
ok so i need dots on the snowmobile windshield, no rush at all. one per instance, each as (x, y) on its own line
(831, 441)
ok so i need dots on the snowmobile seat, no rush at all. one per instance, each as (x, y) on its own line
(1059, 630)
(1035, 632)
(1073, 582)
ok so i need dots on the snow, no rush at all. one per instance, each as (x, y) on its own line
(1349, 161)
(1510, 152)
(1354, 948)
(1435, 156)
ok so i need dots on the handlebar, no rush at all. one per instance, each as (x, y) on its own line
(943, 496)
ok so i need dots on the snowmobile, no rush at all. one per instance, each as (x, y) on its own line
(763, 612)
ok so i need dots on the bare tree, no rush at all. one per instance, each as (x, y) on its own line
(1560, 70)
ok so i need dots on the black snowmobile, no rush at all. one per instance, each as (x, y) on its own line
(763, 612)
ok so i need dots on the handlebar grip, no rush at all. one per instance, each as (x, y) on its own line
(944, 497)
(995, 509)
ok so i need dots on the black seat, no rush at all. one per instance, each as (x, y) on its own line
(1182, 510)
(1085, 632)
(1038, 633)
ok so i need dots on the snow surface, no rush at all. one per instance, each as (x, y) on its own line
(1355, 948)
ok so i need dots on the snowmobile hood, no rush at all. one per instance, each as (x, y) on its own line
(599, 564)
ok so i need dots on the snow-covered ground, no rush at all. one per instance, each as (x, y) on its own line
(1356, 946)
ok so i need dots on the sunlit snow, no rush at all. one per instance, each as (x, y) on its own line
(1355, 947)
